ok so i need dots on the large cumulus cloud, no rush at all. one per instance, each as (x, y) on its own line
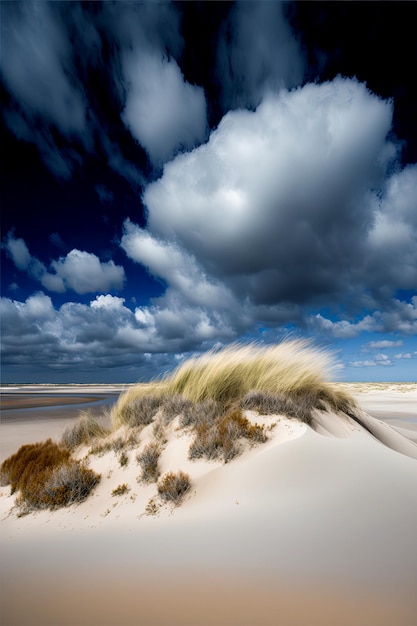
(279, 205)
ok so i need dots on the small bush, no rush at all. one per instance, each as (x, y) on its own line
(46, 476)
(120, 490)
(148, 460)
(30, 461)
(220, 438)
(67, 484)
(172, 487)
(123, 459)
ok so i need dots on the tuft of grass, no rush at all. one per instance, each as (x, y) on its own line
(120, 490)
(172, 487)
(148, 461)
(292, 369)
(123, 459)
(85, 429)
(47, 477)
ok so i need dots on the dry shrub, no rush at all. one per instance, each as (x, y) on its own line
(123, 459)
(82, 431)
(120, 490)
(219, 439)
(117, 444)
(174, 405)
(67, 484)
(204, 412)
(142, 410)
(31, 461)
(46, 476)
(172, 487)
(148, 460)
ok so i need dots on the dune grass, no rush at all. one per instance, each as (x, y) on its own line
(294, 372)
(83, 431)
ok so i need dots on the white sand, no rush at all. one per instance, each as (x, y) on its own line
(313, 527)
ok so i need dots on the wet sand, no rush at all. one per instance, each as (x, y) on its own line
(27, 417)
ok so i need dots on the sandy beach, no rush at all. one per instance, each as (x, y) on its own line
(315, 527)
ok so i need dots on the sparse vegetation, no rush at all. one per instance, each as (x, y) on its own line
(148, 460)
(123, 459)
(46, 476)
(84, 430)
(173, 487)
(116, 444)
(120, 490)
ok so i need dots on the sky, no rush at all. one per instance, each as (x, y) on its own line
(179, 176)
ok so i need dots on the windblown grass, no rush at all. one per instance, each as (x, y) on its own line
(293, 370)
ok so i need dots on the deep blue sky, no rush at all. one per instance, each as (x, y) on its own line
(177, 176)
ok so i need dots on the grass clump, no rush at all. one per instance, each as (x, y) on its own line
(120, 490)
(292, 369)
(173, 487)
(46, 476)
(85, 429)
(148, 461)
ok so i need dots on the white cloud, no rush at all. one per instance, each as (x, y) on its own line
(18, 252)
(273, 203)
(83, 272)
(273, 214)
(384, 343)
(163, 111)
(379, 360)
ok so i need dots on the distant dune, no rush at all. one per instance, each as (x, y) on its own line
(245, 489)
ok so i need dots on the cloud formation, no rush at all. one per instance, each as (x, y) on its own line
(278, 208)
(163, 112)
(257, 54)
(83, 272)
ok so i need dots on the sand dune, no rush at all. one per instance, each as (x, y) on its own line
(316, 526)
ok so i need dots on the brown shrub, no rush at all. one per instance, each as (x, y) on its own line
(120, 490)
(148, 460)
(172, 487)
(220, 438)
(46, 476)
